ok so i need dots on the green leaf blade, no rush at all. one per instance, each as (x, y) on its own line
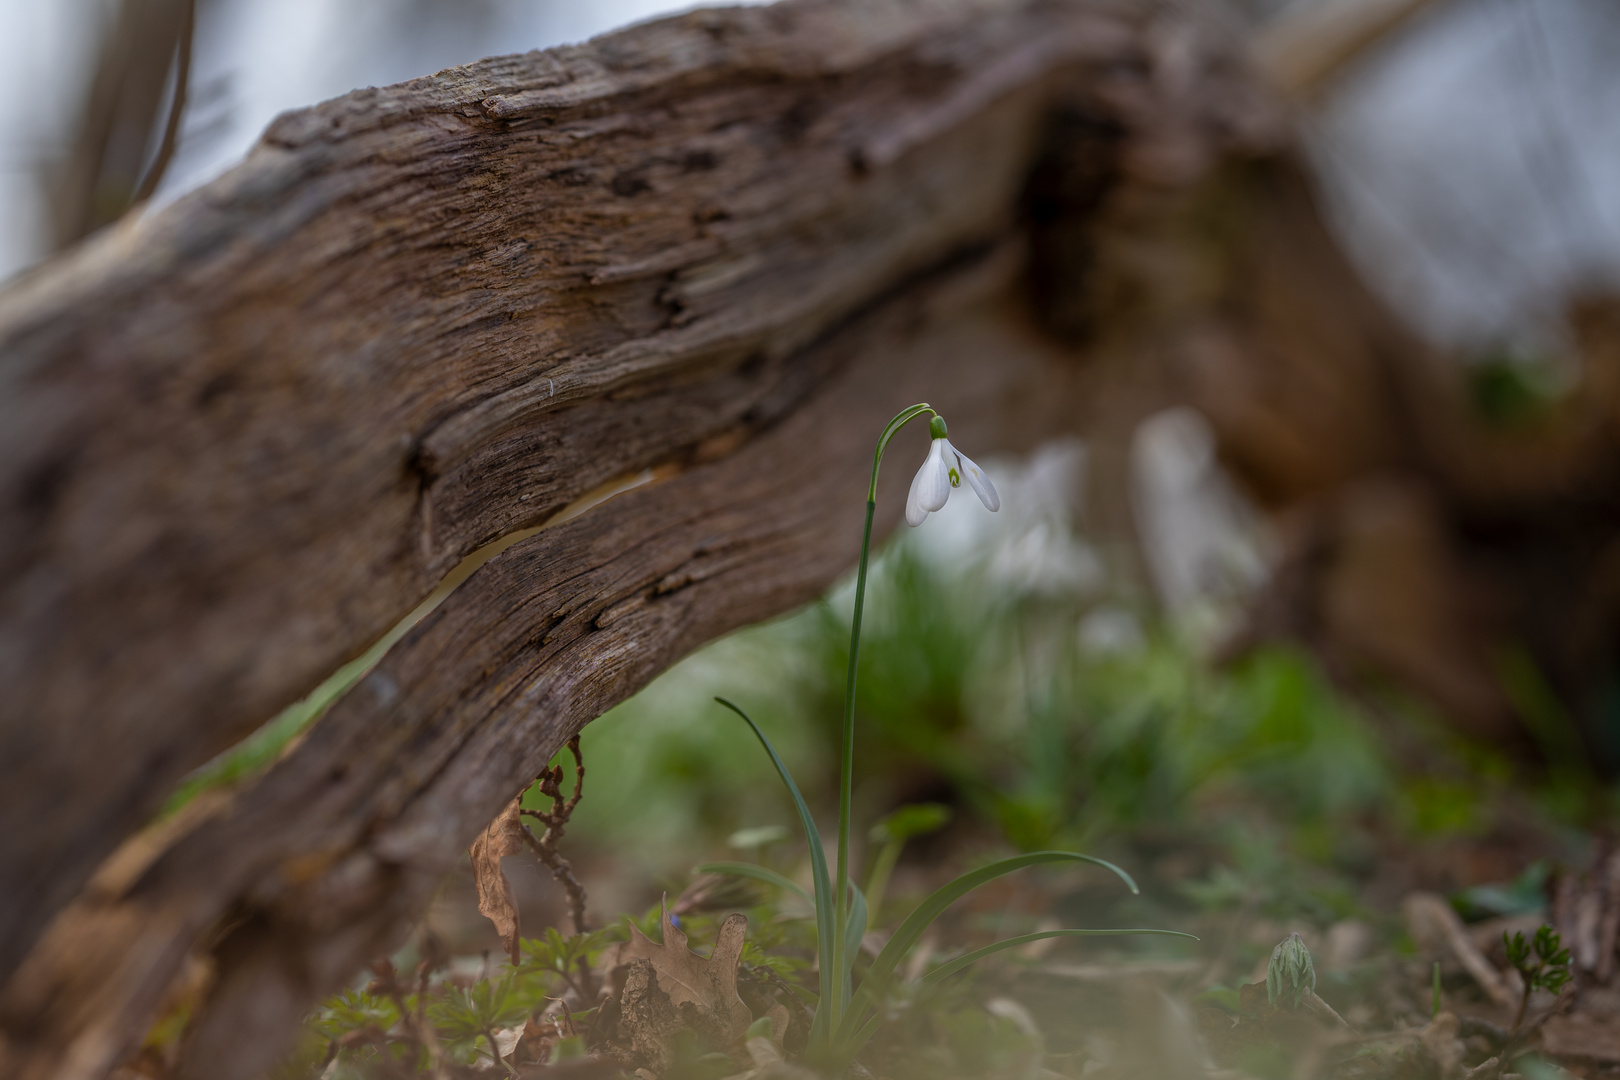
(876, 981)
(818, 871)
(945, 971)
(755, 872)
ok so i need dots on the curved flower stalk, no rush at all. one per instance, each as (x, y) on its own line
(846, 1016)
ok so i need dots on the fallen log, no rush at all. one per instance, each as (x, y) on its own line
(245, 434)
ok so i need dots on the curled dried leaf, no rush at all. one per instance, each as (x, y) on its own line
(503, 836)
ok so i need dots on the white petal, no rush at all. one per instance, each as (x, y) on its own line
(930, 487)
(977, 480)
(936, 487)
(915, 514)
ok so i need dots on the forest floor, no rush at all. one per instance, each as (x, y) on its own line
(1411, 977)
(1251, 801)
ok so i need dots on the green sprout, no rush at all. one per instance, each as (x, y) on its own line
(847, 1015)
(1290, 971)
(1540, 962)
(918, 819)
(463, 1016)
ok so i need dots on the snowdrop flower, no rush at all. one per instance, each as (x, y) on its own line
(942, 470)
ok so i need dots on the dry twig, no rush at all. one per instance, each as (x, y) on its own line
(556, 820)
(1430, 918)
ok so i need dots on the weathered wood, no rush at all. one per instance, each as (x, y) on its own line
(421, 318)
(241, 436)
(329, 858)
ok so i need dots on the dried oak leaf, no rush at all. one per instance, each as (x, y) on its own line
(503, 836)
(708, 983)
(648, 1020)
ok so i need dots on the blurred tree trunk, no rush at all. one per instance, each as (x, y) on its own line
(246, 434)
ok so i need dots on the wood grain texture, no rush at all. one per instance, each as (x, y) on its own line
(241, 436)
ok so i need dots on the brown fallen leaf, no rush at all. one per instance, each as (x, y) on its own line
(709, 984)
(779, 1025)
(503, 836)
(647, 1017)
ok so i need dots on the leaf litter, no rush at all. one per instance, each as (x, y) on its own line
(708, 985)
(618, 1003)
(502, 837)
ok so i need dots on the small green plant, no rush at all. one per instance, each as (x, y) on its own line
(467, 1016)
(846, 1016)
(559, 961)
(906, 823)
(1291, 971)
(355, 1011)
(1540, 962)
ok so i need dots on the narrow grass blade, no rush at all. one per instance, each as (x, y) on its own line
(757, 873)
(945, 971)
(868, 1029)
(854, 930)
(818, 873)
(877, 979)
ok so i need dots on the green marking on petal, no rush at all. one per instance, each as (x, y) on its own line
(956, 478)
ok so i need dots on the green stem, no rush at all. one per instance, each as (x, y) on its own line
(882, 868)
(846, 772)
(847, 758)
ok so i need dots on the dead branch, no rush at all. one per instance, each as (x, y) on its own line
(1432, 921)
(556, 821)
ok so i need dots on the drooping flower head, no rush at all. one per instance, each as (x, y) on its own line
(945, 468)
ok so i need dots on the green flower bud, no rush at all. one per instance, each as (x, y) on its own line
(936, 427)
(1291, 971)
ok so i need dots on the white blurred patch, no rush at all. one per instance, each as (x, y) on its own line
(1029, 547)
(1470, 168)
(1111, 631)
(1198, 537)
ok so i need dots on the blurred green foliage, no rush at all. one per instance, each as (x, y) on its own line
(992, 709)
(993, 701)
